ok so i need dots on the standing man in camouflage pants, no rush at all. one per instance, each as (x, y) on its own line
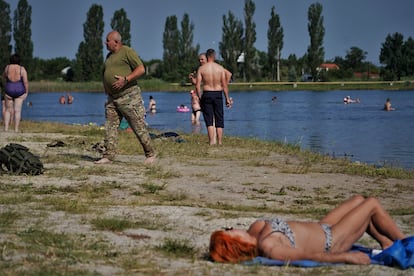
(121, 70)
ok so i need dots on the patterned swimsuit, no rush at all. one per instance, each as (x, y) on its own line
(280, 225)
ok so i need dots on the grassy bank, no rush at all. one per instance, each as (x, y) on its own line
(309, 161)
(126, 218)
(158, 85)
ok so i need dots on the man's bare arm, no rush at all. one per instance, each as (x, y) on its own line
(228, 75)
(198, 84)
(224, 84)
(138, 72)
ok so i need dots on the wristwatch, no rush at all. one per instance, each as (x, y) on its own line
(125, 79)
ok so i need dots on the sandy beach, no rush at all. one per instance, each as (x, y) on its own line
(181, 199)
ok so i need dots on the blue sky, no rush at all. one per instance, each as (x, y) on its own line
(57, 25)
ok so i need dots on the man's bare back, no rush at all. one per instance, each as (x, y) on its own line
(213, 76)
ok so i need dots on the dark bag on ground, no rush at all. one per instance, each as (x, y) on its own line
(17, 159)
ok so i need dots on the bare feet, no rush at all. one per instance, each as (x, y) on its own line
(149, 160)
(103, 161)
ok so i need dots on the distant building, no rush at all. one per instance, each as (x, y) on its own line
(366, 75)
(327, 66)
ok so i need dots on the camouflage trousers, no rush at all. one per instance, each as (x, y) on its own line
(129, 106)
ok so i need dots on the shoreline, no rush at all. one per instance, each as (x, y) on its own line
(157, 85)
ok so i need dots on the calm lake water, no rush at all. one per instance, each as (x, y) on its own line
(318, 121)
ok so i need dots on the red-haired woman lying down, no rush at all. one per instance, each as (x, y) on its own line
(328, 240)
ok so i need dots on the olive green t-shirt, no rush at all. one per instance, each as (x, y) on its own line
(122, 64)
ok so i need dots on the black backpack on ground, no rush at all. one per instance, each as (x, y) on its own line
(17, 159)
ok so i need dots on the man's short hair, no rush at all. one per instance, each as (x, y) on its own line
(210, 53)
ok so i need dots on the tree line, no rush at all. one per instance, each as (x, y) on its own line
(236, 49)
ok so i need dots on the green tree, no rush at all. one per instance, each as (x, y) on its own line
(188, 52)
(275, 44)
(408, 53)
(81, 59)
(89, 58)
(391, 56)
(231, 43)
(316, 52)
(50, 69)
(122, 24)
(292, 65)
(5, 34)
(171, 45)
(249, 38)
(354, 59)
(22, 33)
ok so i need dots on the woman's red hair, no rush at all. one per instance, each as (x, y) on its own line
(226, 248)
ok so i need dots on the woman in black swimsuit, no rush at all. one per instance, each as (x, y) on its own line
(328, 240)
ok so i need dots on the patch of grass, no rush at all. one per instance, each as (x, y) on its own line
(326, 200)
(50, 189)
(322, 190)
(112, 224)
(45, 238)
(281, 192)
(156, 172)
(7, 187)
(177, 248)
(247, 184)
(56, 251)
(402, 211)
(41, 240)
(72, 206)
(61, 158)
(262, 190)
(174, 197)
(137, 193)
(136, 262)
(16, 199)
(403, 188)
(305, 200)
(203, 213)
(152, 188)
(295, 188)
(120, 224)
(373, 171)
(94, 191)
(8, 218)
(111, 184)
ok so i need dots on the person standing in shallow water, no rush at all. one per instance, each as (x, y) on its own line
(122, 68)
(152, 106)
(388, 106)
(195, 99)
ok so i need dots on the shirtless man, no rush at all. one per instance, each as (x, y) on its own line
(215, 81)
(202, 59)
